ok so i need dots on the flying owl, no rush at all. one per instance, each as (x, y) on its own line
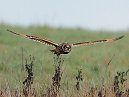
(63, 48)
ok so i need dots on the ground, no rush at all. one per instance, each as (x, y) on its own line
(92, 60)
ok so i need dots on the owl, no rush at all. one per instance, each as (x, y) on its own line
(63, 48)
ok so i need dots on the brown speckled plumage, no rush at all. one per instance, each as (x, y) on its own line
(63, 48)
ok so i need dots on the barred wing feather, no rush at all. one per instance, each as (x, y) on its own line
(35, 38)
(98, 41)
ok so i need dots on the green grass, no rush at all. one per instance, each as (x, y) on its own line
(92, 59)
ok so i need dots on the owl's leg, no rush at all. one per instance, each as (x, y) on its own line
(55, 51)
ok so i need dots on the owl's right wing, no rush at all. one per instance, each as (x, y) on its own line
(97, 41)
(35, 38)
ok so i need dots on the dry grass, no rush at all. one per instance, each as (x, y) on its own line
(101, 75)
(119, 87)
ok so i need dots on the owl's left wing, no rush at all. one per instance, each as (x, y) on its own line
(35, 38)
(97, 41)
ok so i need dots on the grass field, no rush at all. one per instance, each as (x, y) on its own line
(92, 60)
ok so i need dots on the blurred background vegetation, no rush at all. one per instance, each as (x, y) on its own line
(92, 59)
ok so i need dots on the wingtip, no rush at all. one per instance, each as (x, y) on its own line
(12, 32)
(9, 30)
(120, 37)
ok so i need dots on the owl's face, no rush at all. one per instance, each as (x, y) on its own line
(66, 48)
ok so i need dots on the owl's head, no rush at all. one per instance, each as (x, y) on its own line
(66, 48)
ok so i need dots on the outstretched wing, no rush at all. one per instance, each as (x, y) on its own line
(98, 41)
(35, 38)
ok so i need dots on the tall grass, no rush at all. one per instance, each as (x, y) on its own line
(91, 59)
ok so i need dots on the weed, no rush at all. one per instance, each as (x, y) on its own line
(29, 79)
(56, 79)
(119, 80)
(79, 78)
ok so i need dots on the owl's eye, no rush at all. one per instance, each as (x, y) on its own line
(67, 46)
